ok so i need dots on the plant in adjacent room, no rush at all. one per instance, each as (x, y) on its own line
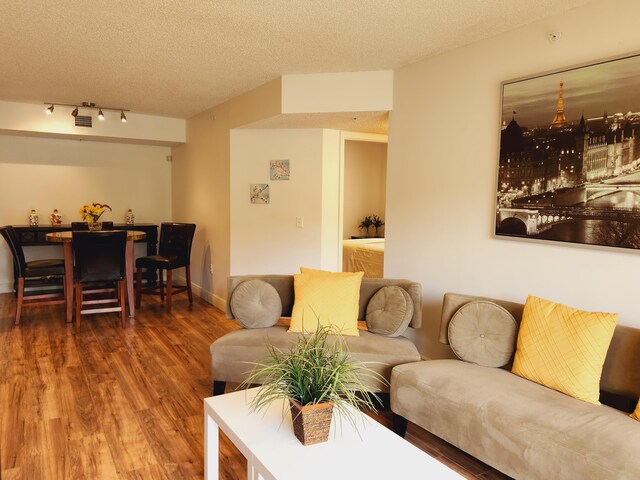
(366, 224)
(377, 223)
(317, 370)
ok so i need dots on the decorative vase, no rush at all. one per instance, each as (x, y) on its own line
(33, 219)
(94, 226)
(311, 423)
(56, 218)
(129, 217)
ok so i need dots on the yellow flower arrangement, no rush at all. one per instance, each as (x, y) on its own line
(93, 211)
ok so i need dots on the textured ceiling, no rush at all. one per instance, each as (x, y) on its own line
(178, 58)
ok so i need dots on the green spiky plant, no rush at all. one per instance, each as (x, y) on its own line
(317, 369)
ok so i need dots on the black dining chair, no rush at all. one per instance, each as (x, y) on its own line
(82, 226)
(174, 252)
(79, 226)
(39, 276)
(100, 269)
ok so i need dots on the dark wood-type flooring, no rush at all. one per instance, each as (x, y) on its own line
(112, 403)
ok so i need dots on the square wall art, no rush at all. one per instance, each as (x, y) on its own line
(569, 166)
(259, 192)
(280, 170)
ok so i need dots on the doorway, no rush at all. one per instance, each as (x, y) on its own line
(363, 175)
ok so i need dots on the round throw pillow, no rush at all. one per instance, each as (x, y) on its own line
(256, 304)
(484, 333)
(389, 311)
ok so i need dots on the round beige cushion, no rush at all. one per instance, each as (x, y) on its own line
(484, 333)
(256, 304)
(389, 311)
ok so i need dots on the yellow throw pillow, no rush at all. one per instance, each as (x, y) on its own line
(326, 298)
(563, 348)
(636, 413)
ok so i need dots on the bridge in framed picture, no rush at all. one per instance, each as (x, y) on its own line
(569, 167)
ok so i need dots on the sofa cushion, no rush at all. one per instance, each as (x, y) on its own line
(326, 298)
(525, 430)
(256, 304)
(389, 311)
(484, 333)
(233, 355)
(563, 348)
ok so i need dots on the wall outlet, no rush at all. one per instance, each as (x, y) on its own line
(299, 222)
(211, 268)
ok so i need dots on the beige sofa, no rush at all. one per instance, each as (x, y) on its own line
(523, 429)
(232, 354)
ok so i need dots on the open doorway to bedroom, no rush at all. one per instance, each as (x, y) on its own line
(363, 192)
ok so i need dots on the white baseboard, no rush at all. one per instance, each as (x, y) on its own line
(206, 295)
(6, 287)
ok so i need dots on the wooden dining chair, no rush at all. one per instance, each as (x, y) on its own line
(100, 269)
(82, 226)
(174, 252)
(79, 226)
(38, 276)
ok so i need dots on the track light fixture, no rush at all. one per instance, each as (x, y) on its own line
(85, 105)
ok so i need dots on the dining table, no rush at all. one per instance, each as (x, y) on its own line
(66, 239)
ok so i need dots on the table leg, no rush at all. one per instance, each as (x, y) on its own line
(67, 250)
(129, 274)
(211, 448)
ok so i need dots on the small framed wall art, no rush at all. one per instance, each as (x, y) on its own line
(279, 170)
(259, 193)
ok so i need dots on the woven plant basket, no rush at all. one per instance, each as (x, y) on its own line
(311, 423)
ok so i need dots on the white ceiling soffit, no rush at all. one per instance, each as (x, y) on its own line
(177, 58)
(370, 122)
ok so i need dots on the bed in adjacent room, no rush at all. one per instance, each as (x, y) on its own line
(364, 255)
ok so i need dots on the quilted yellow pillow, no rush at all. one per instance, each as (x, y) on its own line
(636, 413)
(326, 298)
(563, 348)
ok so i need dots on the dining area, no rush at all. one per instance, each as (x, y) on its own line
(98, 272)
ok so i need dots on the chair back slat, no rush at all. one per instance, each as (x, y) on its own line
(99, 256)
(176, 240)
(79, 226)
(13, 240)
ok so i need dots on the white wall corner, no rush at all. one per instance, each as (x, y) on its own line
(338, 92)
(206, 295)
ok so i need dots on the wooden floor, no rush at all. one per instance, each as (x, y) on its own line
(112, 403)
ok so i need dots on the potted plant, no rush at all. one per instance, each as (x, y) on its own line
(377, 223)
(315, 376)
(366, 224)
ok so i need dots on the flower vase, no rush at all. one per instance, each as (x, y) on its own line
(94, 226)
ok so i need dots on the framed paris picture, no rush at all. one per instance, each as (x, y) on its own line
(569, 166)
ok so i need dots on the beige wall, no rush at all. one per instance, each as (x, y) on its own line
(201, 184)
(365, 178)
(443, 154)
(264, 237)
(44, 174)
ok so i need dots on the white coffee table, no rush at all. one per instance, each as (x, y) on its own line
(273, 452)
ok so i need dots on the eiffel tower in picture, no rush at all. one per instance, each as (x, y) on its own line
(559, 121)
